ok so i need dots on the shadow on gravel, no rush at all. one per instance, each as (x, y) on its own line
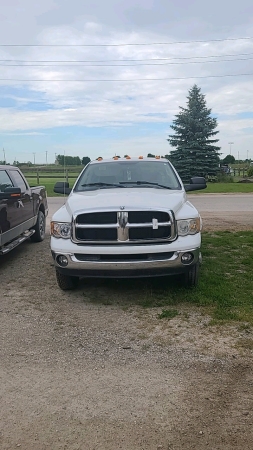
(146, 292)
(16, 253)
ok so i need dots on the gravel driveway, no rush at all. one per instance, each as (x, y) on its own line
(91, 370)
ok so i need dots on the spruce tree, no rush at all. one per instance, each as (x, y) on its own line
(196, 152)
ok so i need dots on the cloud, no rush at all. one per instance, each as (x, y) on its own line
(136, 92)
(146, 92)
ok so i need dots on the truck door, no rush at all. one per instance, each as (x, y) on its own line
(9, 214)
(25, 204)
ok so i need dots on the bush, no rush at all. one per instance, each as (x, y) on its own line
(211, 178)
(223, 178)
(250, 172)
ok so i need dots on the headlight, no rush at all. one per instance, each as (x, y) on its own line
(61, 230)
(189, 226)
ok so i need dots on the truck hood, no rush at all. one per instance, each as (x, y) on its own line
(129, 198)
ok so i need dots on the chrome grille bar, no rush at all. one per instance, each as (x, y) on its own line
(122, 228)
(128, 225)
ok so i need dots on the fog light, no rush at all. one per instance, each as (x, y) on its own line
(186, 258)
(62, 260)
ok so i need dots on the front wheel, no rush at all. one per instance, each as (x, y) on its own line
(40, 228)
(66, 282)
(191, 277)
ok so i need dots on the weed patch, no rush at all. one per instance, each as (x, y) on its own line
(168, 314)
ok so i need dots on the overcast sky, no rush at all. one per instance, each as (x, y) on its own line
(87, 98)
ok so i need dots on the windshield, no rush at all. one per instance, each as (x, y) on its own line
(104, 175)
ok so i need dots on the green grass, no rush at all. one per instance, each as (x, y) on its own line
(55, 175)
(49, 184)
(225, 289)
(226, 282)
(216, 188)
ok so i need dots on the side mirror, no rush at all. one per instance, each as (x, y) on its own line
(196, 183)
(11, 192)
(62, 187)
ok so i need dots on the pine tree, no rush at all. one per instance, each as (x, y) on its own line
(194, 129)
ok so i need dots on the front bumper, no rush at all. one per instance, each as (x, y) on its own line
(147, 265)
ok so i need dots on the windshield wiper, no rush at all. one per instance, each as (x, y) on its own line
(145, 182)
(101, 184)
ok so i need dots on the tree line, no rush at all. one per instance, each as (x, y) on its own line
(72, 160)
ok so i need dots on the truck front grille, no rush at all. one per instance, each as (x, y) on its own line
(124, 257)
(124, 227)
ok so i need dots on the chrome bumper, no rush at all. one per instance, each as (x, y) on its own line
(124, 268)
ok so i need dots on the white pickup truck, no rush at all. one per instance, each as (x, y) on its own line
(127, 217)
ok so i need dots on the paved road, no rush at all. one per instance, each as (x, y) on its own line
(222, 202)
(217, 209)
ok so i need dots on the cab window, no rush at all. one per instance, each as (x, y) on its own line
(5, 180)
(19, 180)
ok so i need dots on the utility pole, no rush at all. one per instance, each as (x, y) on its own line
(4, 156)
(34, 158)
(46, 158)
(230, 143)
(247, 154)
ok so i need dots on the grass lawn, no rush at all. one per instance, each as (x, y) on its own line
(55, 175)
(216, 188)
(49, 183)
(225, 290)
(226, 282)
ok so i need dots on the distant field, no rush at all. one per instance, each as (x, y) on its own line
(216, 188)
(50, 174)
(49, 182)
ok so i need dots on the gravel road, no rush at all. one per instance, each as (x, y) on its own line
(91, 370)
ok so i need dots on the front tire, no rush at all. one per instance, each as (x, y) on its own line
(191, 277)
(66, 282)
(40, 228)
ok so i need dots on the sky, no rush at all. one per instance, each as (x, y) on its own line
(105, 77)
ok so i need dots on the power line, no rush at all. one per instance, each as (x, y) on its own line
(122, 60)
(125, 80)
(126, 44)
(124, 65)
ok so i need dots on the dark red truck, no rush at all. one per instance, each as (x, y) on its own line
(23, 209)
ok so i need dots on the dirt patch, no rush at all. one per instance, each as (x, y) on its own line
(233, 221)
(83, 374)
